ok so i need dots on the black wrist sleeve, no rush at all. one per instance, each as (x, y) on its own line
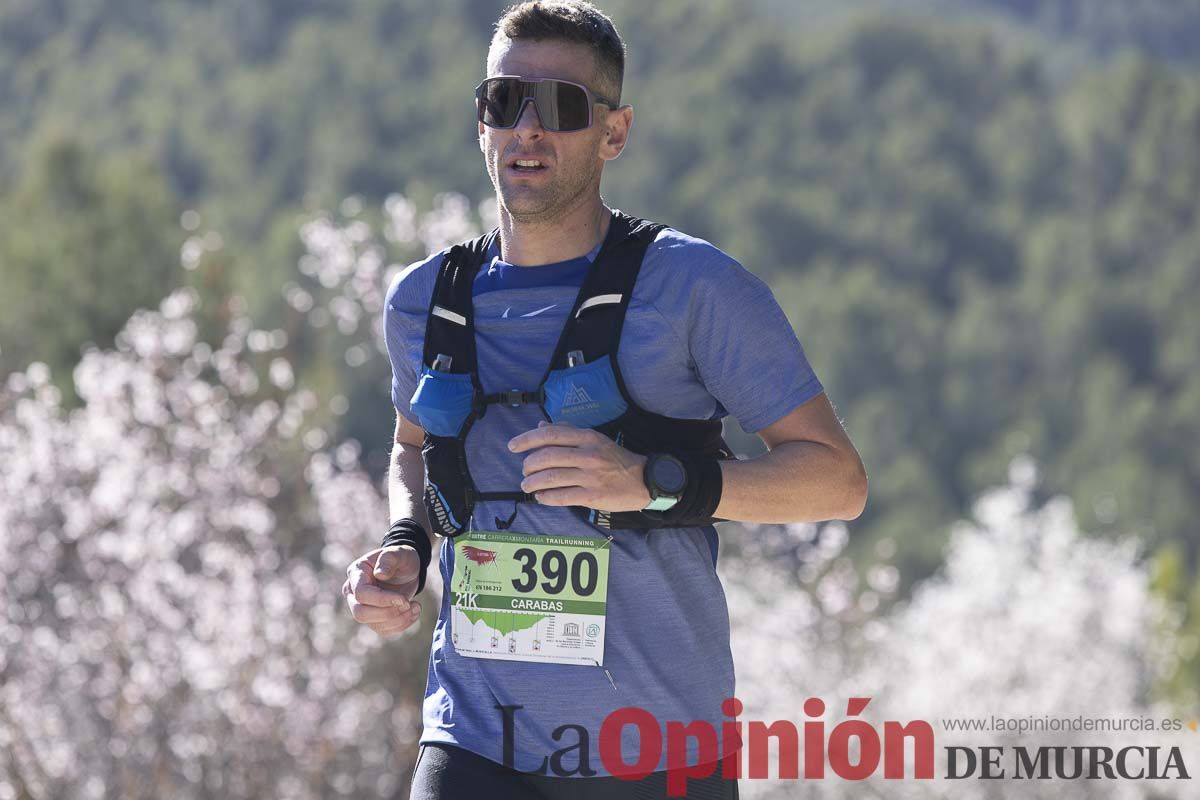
(700, 497)
(409, 531)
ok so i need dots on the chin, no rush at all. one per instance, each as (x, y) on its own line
(525, 205)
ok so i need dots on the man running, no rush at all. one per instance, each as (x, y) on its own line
(559, 385)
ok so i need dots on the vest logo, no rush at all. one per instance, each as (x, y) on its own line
(576, 395)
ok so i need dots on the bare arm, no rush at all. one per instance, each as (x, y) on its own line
(811, 472)
(380, 585)
(406, 474)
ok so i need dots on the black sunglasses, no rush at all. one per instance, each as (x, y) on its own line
(561, 105)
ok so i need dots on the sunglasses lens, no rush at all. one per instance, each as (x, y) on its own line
(560, 106)
(500, 102)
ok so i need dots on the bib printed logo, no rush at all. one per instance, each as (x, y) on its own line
(525, 597)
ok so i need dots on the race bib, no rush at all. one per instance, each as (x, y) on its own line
(525, 597)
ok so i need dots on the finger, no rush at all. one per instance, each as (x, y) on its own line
(400, 624)
(398, 564)
(551, 457)
(573, 496)
(559, 433)
(358, 574)
(553, 479)
(360, 564)
(365, 589)
(373, 615)
(370, 594)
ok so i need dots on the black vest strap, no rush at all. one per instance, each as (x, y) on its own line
(450, 329)
(517, 497)
(594, 325)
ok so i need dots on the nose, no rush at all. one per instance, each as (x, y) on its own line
(529, 122)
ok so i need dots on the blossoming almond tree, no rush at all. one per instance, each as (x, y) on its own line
(1028, 619)
(172, 552)
(169, 570)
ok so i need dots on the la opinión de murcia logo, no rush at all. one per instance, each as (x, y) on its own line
(740, 749)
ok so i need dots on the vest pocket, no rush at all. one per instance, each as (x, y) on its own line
(445, 486)
(584, 396)
(443, 401)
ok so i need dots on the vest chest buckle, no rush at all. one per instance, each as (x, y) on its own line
(513, 398)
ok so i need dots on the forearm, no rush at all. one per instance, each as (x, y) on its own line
(798, 481)
(406, 485)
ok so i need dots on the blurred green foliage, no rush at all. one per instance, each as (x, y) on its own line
(983, 256)
(83, 244)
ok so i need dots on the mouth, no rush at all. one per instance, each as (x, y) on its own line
(527, 166)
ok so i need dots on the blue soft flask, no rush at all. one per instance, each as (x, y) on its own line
(443, 400)
(585, 395)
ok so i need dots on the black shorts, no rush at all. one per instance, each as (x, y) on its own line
(446, 772)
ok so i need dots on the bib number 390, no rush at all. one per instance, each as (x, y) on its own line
(530, 597)
(582, 571)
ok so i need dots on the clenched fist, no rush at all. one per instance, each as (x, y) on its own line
(379, 589)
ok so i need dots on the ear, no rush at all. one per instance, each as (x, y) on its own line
(618, 123)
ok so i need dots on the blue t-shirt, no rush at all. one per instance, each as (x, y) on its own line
(703, 338)
(498, 274)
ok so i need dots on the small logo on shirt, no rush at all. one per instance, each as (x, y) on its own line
(530, 314)
(576, 395)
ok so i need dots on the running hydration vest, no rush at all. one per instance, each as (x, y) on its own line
(582, 384)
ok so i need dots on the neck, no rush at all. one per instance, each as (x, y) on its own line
(548, 241)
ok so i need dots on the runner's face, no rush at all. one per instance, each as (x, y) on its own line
(570, 162)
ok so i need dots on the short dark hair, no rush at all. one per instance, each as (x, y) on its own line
(571, 21)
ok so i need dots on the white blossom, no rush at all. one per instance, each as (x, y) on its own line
(1028, 618)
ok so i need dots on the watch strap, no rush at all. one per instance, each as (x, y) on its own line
(661, 504)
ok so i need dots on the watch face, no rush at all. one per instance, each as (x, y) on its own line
(669, 476)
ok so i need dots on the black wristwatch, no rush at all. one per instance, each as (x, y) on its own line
(666, 478)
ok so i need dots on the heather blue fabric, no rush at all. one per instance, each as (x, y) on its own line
(499, 274)
(703, 338)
